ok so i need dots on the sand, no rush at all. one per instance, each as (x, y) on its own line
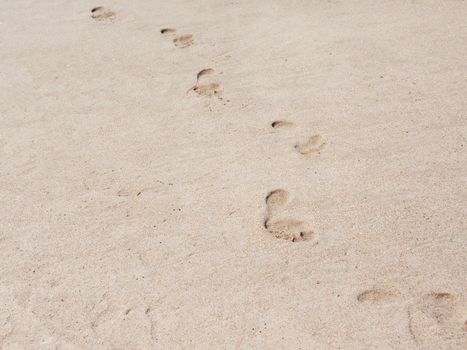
(261, 175)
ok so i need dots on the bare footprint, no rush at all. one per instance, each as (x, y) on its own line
(205, 85)
(378, 296)
(439, 318)
(279, 124)
(443, 306)
(276, 199)
(101, 13)
(290, 230)
(313, 145)
(287, 229)
(204, 72)
(212, 89)
(168, 30)
(182, 41)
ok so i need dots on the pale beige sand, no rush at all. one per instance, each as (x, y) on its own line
(133, 197)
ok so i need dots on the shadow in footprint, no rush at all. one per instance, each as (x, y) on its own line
(100, 13)
(204, 72)
(168, 30)
(276, 199)
(282, 124)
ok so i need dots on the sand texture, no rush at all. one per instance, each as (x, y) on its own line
(243, 174)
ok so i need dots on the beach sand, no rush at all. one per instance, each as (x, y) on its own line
(233, 174)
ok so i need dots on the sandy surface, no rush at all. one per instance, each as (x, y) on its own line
(143, 208)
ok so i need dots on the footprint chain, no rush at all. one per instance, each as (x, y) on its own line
(276, 223)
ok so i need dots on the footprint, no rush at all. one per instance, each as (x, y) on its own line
(378, 296)
(204, 72)
(181, 41)
(209, 90)
(290, 230)
(205, 84)
(439, 318)
(442, 306)
(100, 13)
(168, 30)
(279, 124)
(276, 199)
(313, 145)
(287, 229)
